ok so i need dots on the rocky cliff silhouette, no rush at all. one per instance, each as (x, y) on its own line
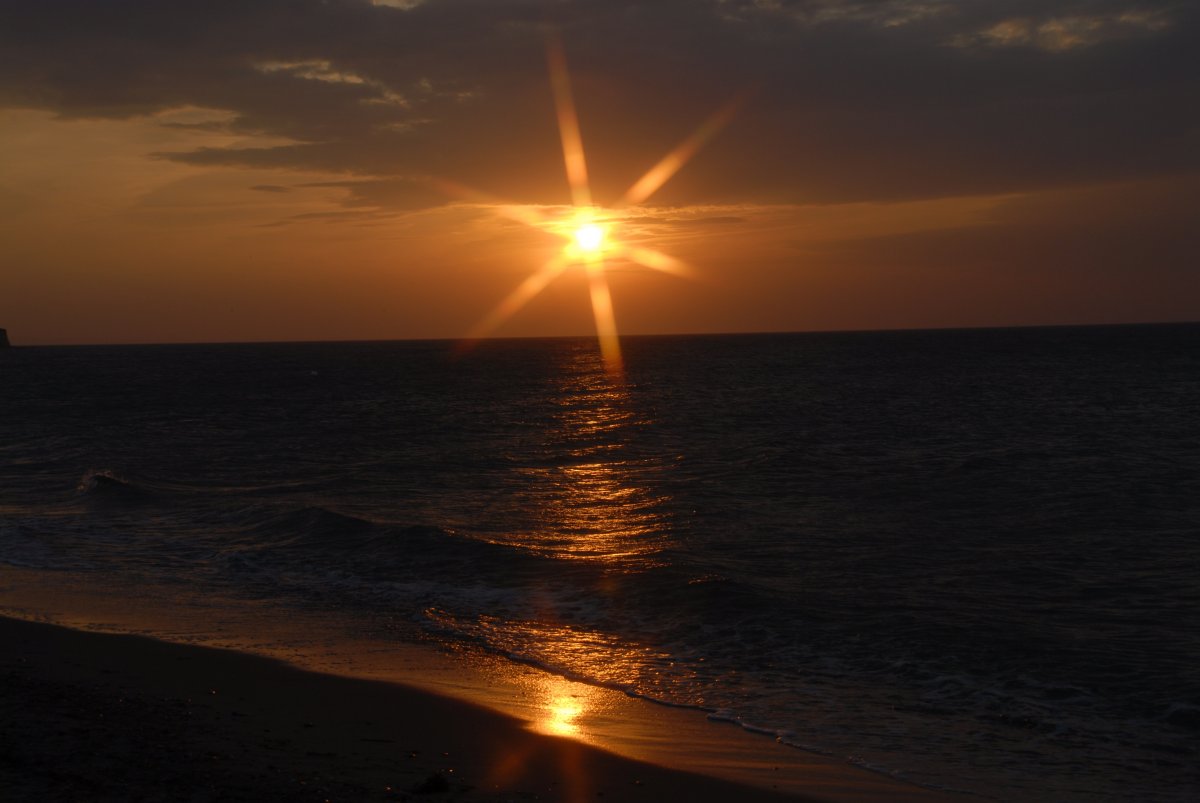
(4, 339)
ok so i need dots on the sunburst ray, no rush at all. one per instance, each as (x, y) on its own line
(568, 125)
(518, 213)
(525, 292)
(670, 164)
(602, 311)
(589, 232)
(658, 261)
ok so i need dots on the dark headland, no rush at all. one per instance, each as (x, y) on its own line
(4, 339)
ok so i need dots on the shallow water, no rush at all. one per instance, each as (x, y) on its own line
(964, 558)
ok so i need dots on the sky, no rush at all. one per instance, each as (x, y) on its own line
(242, 170)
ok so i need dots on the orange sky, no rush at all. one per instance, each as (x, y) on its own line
(205, 172)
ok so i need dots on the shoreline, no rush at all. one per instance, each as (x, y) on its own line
(120, 717)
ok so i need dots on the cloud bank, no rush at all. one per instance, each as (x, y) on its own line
(853, 100)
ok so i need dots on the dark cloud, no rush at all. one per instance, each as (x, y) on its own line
(856, 99)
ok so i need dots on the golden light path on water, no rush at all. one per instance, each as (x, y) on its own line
(591, 232)
(590, 499)
(586, 495)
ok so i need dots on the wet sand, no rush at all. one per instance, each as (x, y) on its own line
(117, 717)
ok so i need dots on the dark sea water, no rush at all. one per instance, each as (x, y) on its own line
(966, 558)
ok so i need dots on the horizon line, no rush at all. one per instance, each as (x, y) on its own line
(746, 333)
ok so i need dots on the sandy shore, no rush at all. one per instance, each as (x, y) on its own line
(86, 716)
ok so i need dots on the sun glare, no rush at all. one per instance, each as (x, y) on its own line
(591, 241)
(589, 237)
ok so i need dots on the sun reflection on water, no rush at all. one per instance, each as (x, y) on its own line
(574, 650)
(584, 490)
(565, 708)
(562, 715)
(593, 497)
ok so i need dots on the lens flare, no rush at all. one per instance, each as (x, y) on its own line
(589, 238)
(591, 232)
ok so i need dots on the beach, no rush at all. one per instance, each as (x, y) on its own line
(119, 717)
(843, 566)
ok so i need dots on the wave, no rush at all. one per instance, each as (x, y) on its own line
(312, 525)
(319, 551)
(107, 486)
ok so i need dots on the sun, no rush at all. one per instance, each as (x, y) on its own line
(590, 231)
(590, 238)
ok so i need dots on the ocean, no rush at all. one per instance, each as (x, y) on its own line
(969, 558)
